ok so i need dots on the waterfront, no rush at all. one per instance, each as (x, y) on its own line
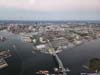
(24, 59)
(25, 62)
(49, 37)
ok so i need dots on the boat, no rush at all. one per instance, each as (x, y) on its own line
(43, 72)
(5, 54)
(2, 38)
(3, 63)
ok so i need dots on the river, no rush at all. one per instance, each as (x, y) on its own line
(24, 62)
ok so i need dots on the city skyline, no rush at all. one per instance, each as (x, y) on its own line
(49, 10)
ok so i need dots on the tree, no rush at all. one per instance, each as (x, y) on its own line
(94, 64)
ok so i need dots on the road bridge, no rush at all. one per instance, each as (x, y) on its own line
(60, 64)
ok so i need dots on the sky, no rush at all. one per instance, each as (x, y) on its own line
(50, 10)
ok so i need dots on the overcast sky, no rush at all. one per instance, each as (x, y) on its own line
(50, 9)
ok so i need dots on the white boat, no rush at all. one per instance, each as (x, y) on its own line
(3, 63)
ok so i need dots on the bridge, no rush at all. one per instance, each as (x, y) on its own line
(60, 64)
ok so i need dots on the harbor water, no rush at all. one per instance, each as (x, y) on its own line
(24, 62)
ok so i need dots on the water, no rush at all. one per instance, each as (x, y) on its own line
(75, 58)
(24, 62)
(5, 22)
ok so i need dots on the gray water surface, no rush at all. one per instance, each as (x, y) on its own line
(24, 62)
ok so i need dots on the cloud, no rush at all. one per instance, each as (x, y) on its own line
(52, 5)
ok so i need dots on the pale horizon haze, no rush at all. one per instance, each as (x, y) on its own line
(50, 10)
